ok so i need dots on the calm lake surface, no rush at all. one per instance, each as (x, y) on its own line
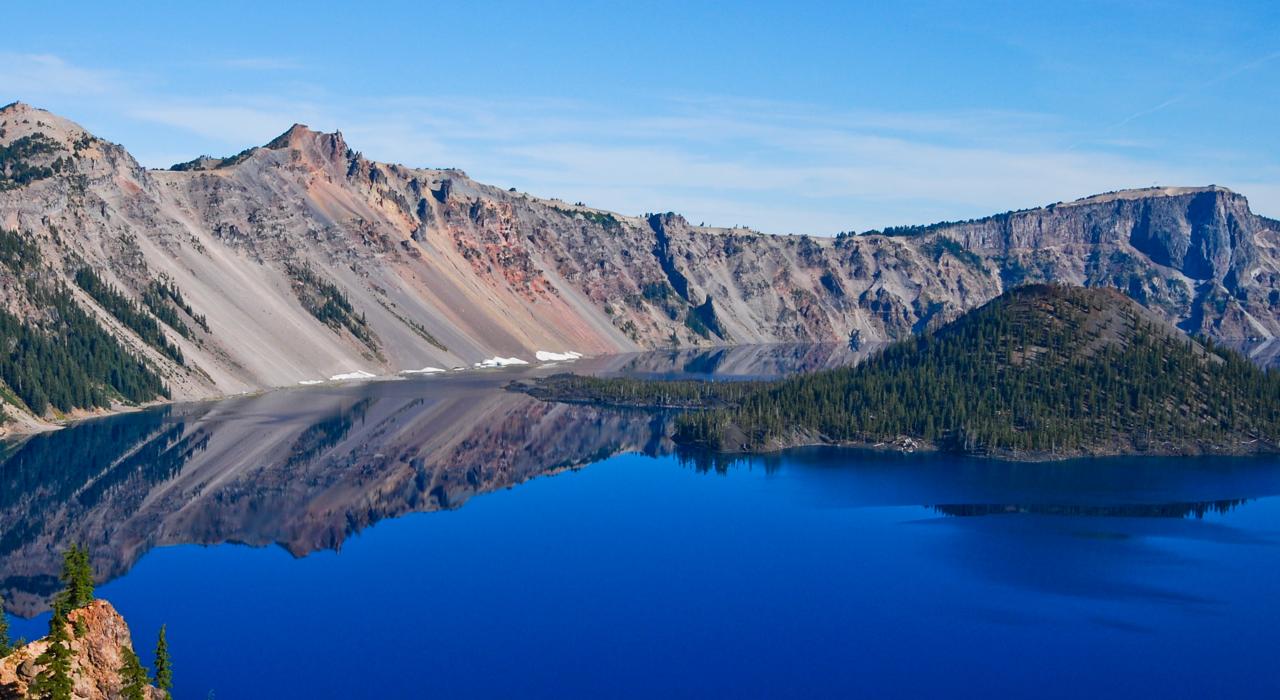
(442, 537)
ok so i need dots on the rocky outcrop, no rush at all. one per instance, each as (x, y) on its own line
(98, 636)
(440, 270)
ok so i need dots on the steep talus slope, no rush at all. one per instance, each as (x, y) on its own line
(301, 259)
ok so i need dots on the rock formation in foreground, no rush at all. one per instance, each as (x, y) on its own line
(302, 260)
(97, 653)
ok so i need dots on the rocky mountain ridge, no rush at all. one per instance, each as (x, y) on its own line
(301, 260)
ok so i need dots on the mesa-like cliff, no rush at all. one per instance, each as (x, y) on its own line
(301, 259)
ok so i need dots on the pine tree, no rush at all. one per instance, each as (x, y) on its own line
(6, 646)
(164, 667)
(77, 580)
(54, 680)
(133, 677)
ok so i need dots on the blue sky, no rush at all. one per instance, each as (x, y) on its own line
(795, 117)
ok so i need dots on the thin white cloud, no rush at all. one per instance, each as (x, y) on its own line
(32, 77)
(259, 63)
(246, 123)
(1223, 77)
(777, 166)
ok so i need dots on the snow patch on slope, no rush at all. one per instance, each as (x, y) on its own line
(424, 370)
(352, 376)
(547, 356)
(500, 362)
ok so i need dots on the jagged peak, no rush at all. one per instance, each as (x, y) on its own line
(329, 145)
(298, 135)
(317, 146)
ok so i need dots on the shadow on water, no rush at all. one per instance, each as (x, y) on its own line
(1101, 529)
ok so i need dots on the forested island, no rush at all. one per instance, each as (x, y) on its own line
(1040, 372)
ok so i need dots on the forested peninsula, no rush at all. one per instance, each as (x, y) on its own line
(1041, 372)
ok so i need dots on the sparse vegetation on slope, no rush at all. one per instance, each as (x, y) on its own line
(414, 326)
(17, 167)
(128, 312)
(603, 218)
(164, 299)
(213, 163)
(322, 299)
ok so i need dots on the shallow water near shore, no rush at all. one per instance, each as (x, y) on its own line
(415, 538)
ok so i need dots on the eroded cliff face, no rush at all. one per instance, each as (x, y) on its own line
(439, 270)
(1196, 255)
(96, 656)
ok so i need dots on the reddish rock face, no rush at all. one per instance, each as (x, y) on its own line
(97, 655)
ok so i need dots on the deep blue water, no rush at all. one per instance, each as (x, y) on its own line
(422, 538)
(808, 576)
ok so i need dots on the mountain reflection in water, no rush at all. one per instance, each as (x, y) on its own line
(306, 469)
(302, 469)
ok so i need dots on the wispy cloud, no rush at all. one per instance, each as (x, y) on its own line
(231, 121)
(29, 76)
(778, 166)
(258, 63)
(1197, 88)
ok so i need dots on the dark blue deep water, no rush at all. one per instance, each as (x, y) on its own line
(640, 573)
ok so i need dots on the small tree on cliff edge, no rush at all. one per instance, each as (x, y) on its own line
(77, 579)
(54, 680)
(164, 668)
(133, 677)
(6, 647)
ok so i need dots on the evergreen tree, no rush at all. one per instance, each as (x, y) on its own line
(77, 580)
(53, 682)
(6, 646)
(133, 677)
(61, 358)
(164, 667)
